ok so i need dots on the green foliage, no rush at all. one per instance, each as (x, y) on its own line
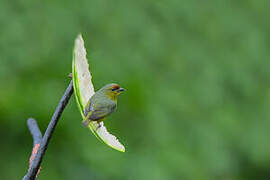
(196, 72)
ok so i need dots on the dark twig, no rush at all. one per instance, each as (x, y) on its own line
(31, 174)
(34, 130)
(37, 138)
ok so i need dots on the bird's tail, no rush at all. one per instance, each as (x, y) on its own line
(86, 121)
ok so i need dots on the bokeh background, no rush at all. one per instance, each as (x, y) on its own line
(197, 74)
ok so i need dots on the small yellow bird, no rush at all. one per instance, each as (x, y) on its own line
(102, 104)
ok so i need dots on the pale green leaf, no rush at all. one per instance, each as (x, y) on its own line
(84, 89)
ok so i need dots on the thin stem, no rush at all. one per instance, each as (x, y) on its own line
(37, 138)
(34, 130)
(31, 174)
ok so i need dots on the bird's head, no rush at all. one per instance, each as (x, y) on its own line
(112, 90)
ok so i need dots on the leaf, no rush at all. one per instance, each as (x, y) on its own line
(84, 89)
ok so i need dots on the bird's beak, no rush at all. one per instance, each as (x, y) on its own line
(121, 89)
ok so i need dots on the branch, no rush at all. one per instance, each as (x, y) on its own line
(37, 138)
(34, 130)
(31, 174)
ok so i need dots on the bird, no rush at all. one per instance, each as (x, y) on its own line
(102, 104)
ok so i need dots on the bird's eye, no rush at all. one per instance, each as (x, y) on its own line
(113, 89)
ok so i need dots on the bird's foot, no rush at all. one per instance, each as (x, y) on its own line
(99, 126)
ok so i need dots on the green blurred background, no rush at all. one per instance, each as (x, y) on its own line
(197, 74)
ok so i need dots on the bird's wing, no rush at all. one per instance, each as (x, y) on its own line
(88, 108)
(87, 113)
(101, 112)
(96, 112)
